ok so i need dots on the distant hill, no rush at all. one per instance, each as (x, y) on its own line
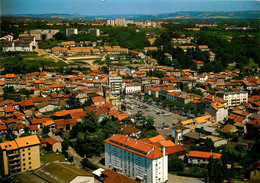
(165, 16)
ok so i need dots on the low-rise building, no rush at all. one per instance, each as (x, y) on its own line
(201, 157)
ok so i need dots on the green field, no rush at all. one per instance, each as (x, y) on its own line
(52, 157)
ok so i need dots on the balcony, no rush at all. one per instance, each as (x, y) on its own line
(14, 154)
(13, 159)
(16, 168)
(15, 164)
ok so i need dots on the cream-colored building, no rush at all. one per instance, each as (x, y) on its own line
(21, 154)
(236, 98)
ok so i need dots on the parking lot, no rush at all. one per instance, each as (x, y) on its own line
(160, 120)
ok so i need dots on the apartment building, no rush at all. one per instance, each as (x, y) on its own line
(137, 159)
(71, 31)
(18, 45)
(44, 33)
(120, 21)
(28, 38)
(21, 154)
(94, 32)
(235, 98)
(115, 84)
(132, 88)
(218, 110)
(111, 22)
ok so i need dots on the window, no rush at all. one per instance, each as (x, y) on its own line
(24, 168)
(29, 153)
(23, 150)
(30, 167)
(29, 158)
(29, 149)
(23, 154)
(29, 163)
(24, 159)
(24, 164)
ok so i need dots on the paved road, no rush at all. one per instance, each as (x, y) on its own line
(180, 179)
(77, 157)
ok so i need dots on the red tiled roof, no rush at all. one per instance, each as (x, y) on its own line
(63, 122)
(39, 121)
(254, 122)
(20, 126)
(10, 121)
(98, 99)
(136, 146)
(3, 127)
(33, 127)
(202, 154)
(25, 103)
(8, 109)
(66, 112)
(49, 140)
(174, 149)
(113, 177)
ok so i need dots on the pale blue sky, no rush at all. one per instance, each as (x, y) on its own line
(108, 7)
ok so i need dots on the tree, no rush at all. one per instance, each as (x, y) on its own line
(86, 163)
(109, 129)
(45, 130)
(90, 122)
(44, 37)
(104, 69)
(73, 102)
(148, 134)
(60, 36)
(65, 145)
(216, 171)
(175, 164)
(10, 135)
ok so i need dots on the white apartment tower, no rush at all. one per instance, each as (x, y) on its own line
(120, 22)
(137, 159)
(71, 31)
(115, 84)
(236, 98)
(94, 32)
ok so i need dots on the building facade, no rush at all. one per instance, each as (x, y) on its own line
(236, 98)
(137, 159)
(71, 31)
(115, 85)
(94, 32)
(21, 154)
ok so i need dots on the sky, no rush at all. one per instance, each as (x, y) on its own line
(111, 7)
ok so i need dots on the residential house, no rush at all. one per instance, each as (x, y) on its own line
(201, 157)
(51, 144)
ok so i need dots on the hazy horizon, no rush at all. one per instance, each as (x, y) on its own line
(112, 7)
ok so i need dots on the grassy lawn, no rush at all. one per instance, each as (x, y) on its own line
(52, 157)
